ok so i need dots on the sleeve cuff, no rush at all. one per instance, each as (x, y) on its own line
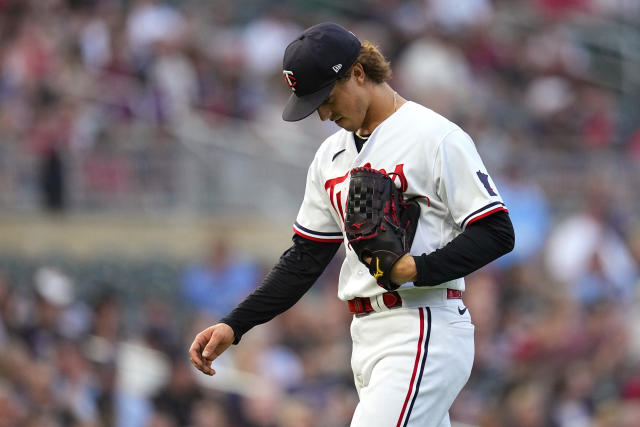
(237, 330)
(483, 212)
(421, 271)
(317, 236)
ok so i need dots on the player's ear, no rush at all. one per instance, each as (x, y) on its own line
(358, 72)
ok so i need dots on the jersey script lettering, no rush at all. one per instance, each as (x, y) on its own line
(336, 196)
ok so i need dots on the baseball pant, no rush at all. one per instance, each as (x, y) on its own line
(409, 364)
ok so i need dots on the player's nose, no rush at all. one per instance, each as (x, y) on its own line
(324, 112)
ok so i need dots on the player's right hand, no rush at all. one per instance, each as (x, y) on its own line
(209, 344)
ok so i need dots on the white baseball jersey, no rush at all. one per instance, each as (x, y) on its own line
(432, 157)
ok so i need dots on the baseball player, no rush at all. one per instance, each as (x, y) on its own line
(413, 343)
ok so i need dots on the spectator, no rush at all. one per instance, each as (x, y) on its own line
(150, 22)
(596, 266)
(179, 398)
(529, 212)
(220, 281)
(436, 73)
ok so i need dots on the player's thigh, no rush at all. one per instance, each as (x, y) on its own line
(415, 385)
(448, 364)
(384, 399)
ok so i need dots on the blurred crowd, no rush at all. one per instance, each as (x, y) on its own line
(557, 341)
(72, 356)
(548, 90)
(93, 92)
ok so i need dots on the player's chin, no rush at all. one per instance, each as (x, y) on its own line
(344, 124)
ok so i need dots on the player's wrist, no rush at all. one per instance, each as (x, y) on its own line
(231, 328)
(404, 270)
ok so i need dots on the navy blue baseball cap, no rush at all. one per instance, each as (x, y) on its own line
(313, 63)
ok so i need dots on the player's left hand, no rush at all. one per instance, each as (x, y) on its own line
(404, 270)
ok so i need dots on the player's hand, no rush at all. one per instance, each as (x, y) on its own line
(209, 344)
(404, 270)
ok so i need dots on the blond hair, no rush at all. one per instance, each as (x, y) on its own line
(376, 67)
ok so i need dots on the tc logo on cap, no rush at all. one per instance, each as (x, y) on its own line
(288, 77)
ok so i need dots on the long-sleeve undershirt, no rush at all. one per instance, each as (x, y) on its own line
(300, 266)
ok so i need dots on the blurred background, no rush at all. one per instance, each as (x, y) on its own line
(147, 183)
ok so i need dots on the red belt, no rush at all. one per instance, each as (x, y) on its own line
(360, 305)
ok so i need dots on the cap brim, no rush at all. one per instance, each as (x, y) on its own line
(299, 107)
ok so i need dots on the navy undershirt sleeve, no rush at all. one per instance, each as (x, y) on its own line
(301, 265)
(480, 243)
(294, 274)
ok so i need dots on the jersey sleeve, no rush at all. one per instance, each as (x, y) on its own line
(463, 182)
(315, 220)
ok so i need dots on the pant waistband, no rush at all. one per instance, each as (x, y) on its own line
(387, 301)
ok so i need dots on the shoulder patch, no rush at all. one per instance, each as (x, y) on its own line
(484, 179)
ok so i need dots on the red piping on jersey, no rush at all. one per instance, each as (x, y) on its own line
(415, 368)
(492, 211)
(315, 239)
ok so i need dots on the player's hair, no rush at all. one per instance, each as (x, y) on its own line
(376, 67)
